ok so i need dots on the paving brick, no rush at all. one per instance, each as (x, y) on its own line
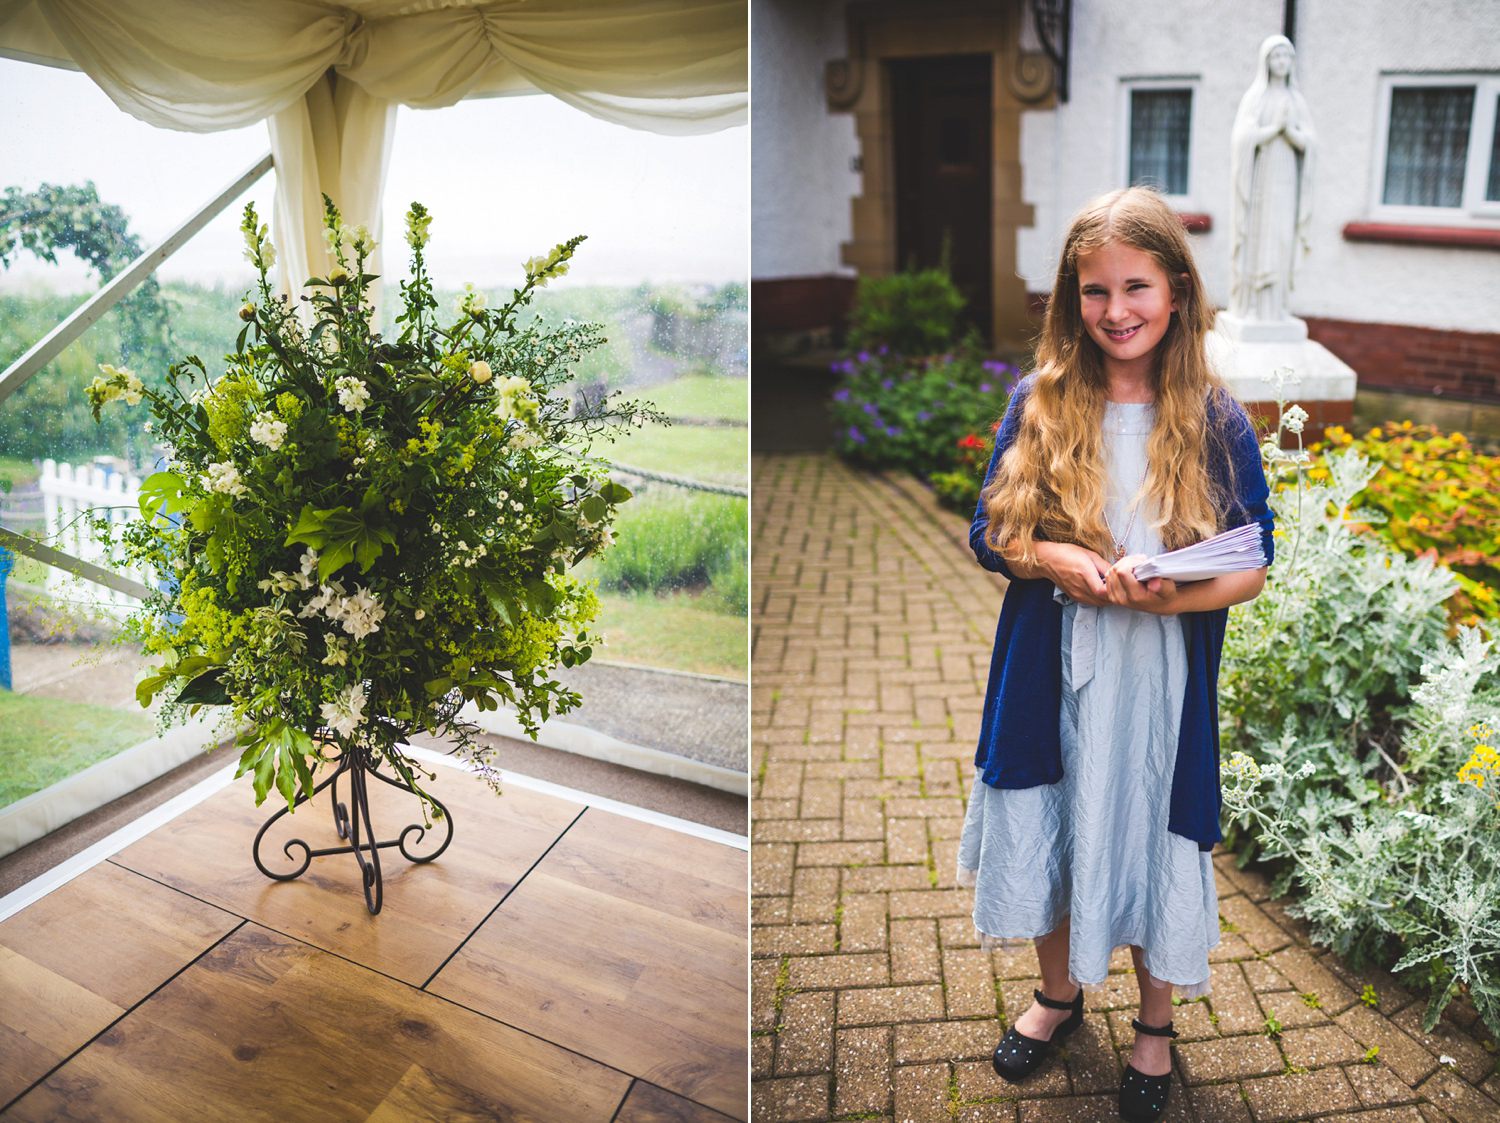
(821, 799)
(1462, 1103)
(1311, 977)
(1259, 930)
(906, 808)
(1115, 992)
(1190, 1020)
(888, 1005)
(1218, 1103)
(1013, 962)
(1319, 1047)
(793, 939)
(906, 841)
(921, 1094)
(1263, 977)
(998, 1111)
(762, 1054)
(1299, 1095)
(945, 861)
(933, 902)
(1231, 946)
(823, 972)
(1079, 1109)
(1232, 1001)
(815, 892)
(1377, 1086)
(771, 868)
(1407, 1059)
(805, 1044)
(1229, 1058)
(862, 1070)
(1389, 996)
(791, 1100)
(914, 952)
(969, 985)
(1408, 1114)
(863, 819)
(869, 879)
(839, 853)
(763, 974)
(796, 830)
(782, 780)
(770, 910)
(935, 1041)
(1294, 926)
(1292, 1011)
(863, 925)
(1090, 1057)
(958, 932)
(762, 810)
(1016, 998)
(842, 769)
(1474, 1063)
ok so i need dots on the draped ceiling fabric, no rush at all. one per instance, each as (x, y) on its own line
(327, 77)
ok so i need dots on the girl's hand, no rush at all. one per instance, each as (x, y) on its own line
(1076, 570)
(1157, 594)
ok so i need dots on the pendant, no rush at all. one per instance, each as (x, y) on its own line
(1119, 552)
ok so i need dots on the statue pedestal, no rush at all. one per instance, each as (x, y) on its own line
(1247, 353)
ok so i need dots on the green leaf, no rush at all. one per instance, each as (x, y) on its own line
(148, 688)
(285, 781)
(614, 493)
(163, 492)
(264, 771)
(205, 690)
(341, 536)
(594, 509)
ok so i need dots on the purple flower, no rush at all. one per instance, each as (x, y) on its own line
(869, 407)
(841, 395)
(937, 405)
(924, 416)
(887, 384)
(883, 350)
(894, 432)
(864, 356)
(856, 436)
(947, 359)
(985, 387)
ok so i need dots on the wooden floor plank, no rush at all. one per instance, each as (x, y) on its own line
(429, 909)
(74, 961)
(613, 948)
(647, 1103)
(265, 1028)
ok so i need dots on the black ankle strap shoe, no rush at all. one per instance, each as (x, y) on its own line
(1143, 1098)
(1018, 1056)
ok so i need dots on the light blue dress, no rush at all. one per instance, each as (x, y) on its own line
(1095, 845)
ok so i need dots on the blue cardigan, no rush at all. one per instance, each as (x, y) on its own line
(1020, 745)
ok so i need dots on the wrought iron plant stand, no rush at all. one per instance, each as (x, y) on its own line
(352, 821)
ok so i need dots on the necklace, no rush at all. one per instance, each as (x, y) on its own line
(1119, 542)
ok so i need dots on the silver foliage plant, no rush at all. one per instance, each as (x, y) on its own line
(1354, 730)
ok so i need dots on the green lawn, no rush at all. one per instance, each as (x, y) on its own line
(672, 631)
(717, 455)
(44, 740)
(700, 396)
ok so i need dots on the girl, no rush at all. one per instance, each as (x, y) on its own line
(1097, 799)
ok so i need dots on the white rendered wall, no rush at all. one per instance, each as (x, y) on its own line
(1077, 151)
(801, 167)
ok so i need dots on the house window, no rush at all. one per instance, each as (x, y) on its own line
(1160, 125)
(1440, 150)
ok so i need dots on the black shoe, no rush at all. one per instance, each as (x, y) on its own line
(1018, 1056)
(1143, 1098)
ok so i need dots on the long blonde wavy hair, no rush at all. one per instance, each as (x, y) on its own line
(1051, 483)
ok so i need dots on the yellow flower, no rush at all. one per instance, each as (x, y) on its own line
(1458, 438)
(1440, 474)
(1376, 434)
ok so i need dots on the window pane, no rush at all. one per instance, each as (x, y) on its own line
(1429, 145)
(1492, 191)
(1159, 138)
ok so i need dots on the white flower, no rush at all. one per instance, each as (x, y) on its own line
(539, 270)
(420, 613)
(309, 561)
(513, 400)
(353, 394)
(416, 228)
(282, 582)
(267, 430)
(338, 652)
(360, 239)
(606, 538)
(480, 371)
(361, 614)
(524, 438)
(346, 712)
(1293, 419)
(258, 248)
(225, 479)
(327, 594)
(470, 300)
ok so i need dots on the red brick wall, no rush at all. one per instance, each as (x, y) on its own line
(795, 304)
(1460, 364)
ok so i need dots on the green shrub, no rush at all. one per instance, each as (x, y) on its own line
(671, 542)
(1352, 727)
(893, 412)
(908, 313)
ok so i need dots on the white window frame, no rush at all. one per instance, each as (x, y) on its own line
(1473, 211)
(1185, 202)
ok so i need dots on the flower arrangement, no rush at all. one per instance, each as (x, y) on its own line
(356, 535)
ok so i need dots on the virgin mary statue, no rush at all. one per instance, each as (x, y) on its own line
(1271, 166)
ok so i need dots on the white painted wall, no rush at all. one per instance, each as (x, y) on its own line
(1076, 151)
(801, 155)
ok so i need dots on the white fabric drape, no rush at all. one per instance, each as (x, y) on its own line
(667, 66)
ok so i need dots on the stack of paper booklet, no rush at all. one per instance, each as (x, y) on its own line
(1229, 552)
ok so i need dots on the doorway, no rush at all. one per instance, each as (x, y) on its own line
(941, 129)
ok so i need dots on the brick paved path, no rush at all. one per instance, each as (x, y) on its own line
(871, 997)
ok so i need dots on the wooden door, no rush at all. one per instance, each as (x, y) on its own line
(941, 122)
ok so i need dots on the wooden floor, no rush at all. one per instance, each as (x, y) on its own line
(557, 963)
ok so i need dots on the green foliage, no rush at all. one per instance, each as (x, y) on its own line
(44, 740)
(1435, 495)
(1354, 729)
(362, 534)
(675, 542)
(959, 489)
(891, 412)
(909, 313)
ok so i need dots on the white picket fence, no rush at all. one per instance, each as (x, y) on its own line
(72, 495)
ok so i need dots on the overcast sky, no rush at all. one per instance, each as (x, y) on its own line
(505, 178)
